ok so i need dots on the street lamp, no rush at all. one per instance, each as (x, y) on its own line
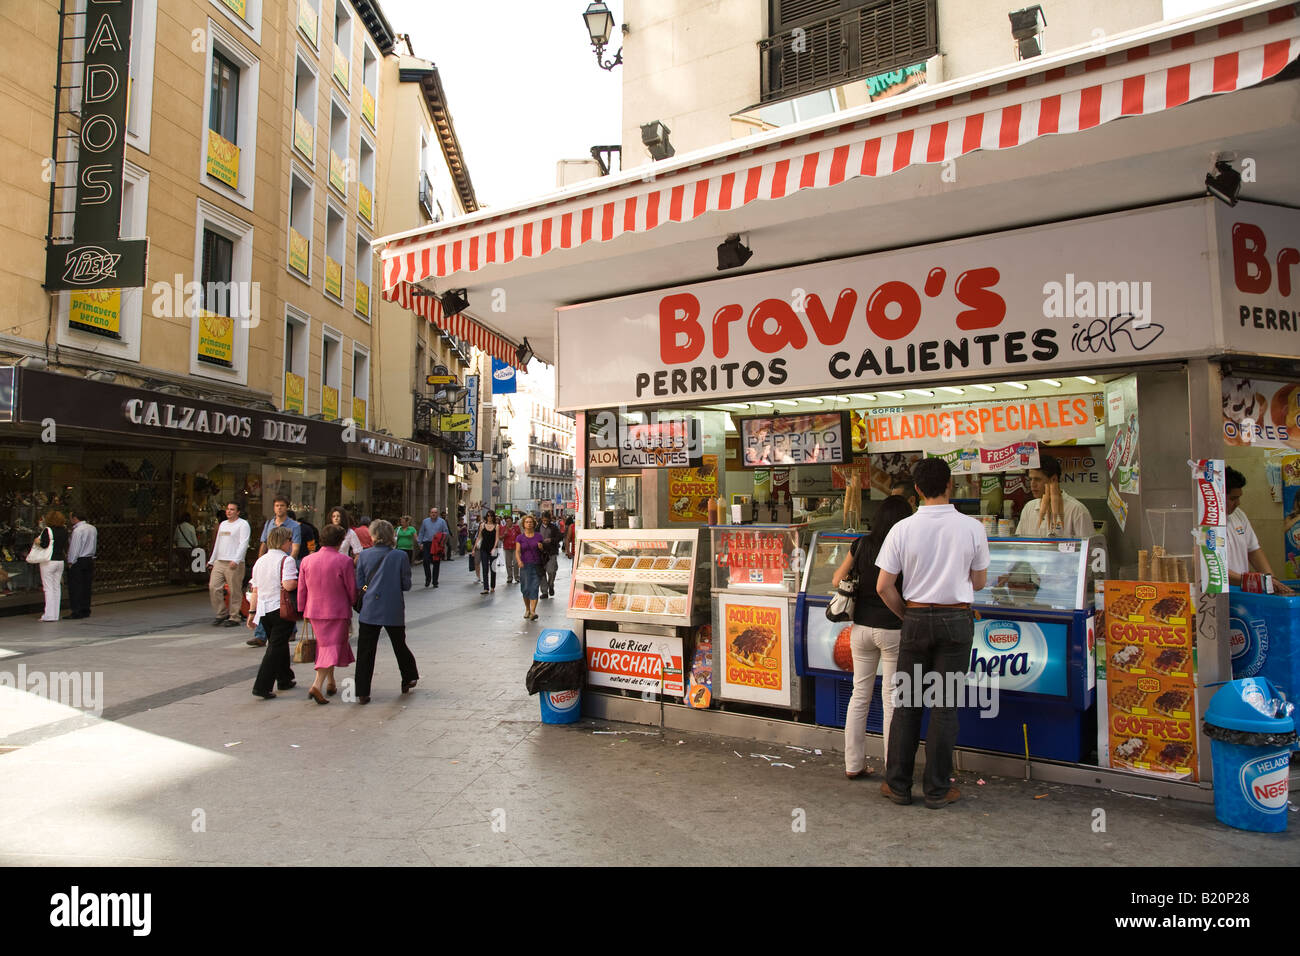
(600, 24)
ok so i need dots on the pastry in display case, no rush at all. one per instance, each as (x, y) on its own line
(649, 576)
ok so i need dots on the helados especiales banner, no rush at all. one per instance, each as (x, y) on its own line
(1107, 291)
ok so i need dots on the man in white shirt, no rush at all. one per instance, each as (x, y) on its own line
(83, 545)
(229, 549)
(1244, 551)
(943, 557)
(1074, 520)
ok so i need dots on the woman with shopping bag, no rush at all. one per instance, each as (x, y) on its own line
(327, 589)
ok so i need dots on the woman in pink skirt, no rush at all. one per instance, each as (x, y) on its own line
(326, 590)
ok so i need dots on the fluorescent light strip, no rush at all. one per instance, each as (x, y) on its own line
(1020, 385)
(987, 388)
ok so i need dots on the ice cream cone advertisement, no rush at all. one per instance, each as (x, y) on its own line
(755, 638)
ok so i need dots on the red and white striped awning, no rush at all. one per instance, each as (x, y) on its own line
(461, 325)
(1141, 79)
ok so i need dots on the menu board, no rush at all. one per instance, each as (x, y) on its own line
(754, 632)
(1146, 673)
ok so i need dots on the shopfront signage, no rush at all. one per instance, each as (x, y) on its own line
(99, 311)
(755, 652)
(1010, 304)
(1146, 718)
(665, 444)
(97, 258)
(646, 663)
(1259, 269)
(992, 424)
(1259, 413)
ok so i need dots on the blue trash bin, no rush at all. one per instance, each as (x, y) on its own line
(1252, 733)
(560, 646)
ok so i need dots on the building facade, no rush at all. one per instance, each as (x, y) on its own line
(245, 366)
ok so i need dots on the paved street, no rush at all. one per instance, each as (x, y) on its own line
(185, 766)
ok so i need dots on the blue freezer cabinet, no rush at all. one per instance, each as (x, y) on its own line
(1264, 633)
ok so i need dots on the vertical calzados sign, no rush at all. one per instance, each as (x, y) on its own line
(97, 258)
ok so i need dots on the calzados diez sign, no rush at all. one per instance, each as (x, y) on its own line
(97, 258)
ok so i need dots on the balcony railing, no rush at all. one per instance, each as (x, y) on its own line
(874, 38)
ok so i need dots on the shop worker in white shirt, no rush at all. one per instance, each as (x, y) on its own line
(943, 558)
(1074, 520)
(1244, 552)
(229, 550)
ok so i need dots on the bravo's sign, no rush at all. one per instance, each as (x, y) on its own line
(96, 258)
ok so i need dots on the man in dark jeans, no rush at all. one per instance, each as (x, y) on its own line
(943, 557)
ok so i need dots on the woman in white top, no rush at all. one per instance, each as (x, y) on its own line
(273, 571)
(351, 545)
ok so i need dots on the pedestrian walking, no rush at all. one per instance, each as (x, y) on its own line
(83, 546)
(552, 538)
(351, 546)
(874, 637)
(327, 589)
(509, 535)
(382, 579)
(433, 543)
(406, 538)
(54, 537)
(275, 572)
(486, 548)
(226, 567)
(281, 519)
(942, 556)
(528, 552)
(362, 531)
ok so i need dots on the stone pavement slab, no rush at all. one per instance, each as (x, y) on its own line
(182, 766)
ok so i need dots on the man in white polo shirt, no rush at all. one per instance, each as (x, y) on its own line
(943, 556)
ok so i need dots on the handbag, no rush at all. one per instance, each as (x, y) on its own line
(843, 598)
(356, 605)
(304, 652)
(39, 554)
(288, 600)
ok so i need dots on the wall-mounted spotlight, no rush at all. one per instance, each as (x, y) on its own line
(1224, 183)
(454, 302)
(654, 136)
(1027, 30)
(523, 353)
(732, 253)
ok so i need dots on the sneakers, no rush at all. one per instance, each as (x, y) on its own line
(952, 796)
(887, 792)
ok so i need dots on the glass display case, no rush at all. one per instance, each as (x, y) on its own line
(1041, 573)
(766, 558)
(652, 576)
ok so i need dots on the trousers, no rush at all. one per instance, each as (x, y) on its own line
(938, 641)
(368, 644)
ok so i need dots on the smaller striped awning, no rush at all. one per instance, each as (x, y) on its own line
(461, 326)
(1140, 75)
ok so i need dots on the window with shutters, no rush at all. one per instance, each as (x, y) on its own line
(820, 44)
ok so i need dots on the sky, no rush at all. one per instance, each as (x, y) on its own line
(522, 85)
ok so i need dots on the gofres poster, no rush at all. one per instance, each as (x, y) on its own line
(691, 489)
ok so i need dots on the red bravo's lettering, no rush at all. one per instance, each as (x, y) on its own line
(892, 311)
